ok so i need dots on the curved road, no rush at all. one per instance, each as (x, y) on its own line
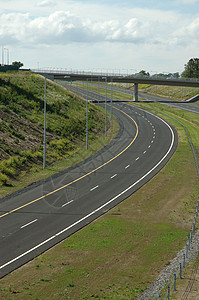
(185, 105)
(40, 216)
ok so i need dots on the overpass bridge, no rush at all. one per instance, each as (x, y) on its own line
(61, 74)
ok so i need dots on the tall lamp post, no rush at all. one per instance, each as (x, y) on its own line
(44, 154)
(106, 107)
(87, 114)
(111, 102)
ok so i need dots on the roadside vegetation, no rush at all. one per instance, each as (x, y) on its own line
(121, 253)
(21, 129)
(169, 92)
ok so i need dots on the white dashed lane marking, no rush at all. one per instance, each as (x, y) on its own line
(113, 176)
(29, 223)
(127, 167)
(67, 203)
(94, 188)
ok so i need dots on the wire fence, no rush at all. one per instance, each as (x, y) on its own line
(189, 245)
(172, 287)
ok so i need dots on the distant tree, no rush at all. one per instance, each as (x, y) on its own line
(191, 69)
(143, 73)
(17, 63)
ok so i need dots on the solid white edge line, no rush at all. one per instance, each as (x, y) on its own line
(102, 206)
(29, 223)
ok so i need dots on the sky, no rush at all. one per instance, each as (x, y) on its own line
(124, 36)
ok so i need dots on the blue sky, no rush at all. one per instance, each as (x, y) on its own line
(183, 6)
(154, 35)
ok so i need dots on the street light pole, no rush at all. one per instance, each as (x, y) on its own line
(2, 56)
(111, 102)
(87, 115)
(106, 108)
(44, 154)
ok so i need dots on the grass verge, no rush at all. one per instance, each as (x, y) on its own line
(122, 252)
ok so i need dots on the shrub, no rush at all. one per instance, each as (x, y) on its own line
(61, 146)
(3, 179)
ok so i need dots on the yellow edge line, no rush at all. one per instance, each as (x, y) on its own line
(64, 186)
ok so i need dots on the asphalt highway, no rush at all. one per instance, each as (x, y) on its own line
(37, 218)
(185, 105)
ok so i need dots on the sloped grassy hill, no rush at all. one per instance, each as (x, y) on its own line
(21, 123)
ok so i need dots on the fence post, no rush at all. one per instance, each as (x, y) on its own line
(175, 282)
(168, 292)
(183, 260)
(189, 243)
(193, 227)
(180, 271)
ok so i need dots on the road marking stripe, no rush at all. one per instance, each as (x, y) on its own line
(113, 176)
(94, 188)
(85, 175)
(137, 158)
(67, 203)
(144, 152)
(149, 146)
(29, 223)
(127, 167)
(99, 208)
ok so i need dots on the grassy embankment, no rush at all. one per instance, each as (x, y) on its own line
(21, 130)
(119, 254)
(169, 92)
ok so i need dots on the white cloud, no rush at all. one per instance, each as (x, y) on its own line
(97, 34)
(63, 27)
(45, 3)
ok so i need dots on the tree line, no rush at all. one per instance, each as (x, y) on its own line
(191, 70)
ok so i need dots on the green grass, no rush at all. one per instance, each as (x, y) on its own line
(121, 253)
(21, 128)
(171, 92)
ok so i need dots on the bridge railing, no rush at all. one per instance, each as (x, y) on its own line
(91, 73)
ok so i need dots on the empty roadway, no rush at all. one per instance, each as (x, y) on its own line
(37, 218)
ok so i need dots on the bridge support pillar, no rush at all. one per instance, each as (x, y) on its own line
(136, 92)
